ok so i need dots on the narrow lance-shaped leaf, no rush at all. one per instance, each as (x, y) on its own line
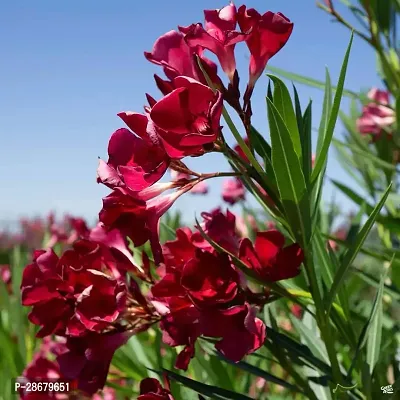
(306, 142)
(283, 104)
(354, 249)
(375, 331)
(326, 111)
(391, 223)
(299, 114)
(364, 335)
(366, 154)
(323, 154)
(289, 176)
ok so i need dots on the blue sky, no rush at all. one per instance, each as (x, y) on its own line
(69, 67)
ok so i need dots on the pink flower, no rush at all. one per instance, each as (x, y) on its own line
(5, 275)
(136, 218)
(219, 227)
(233, 191)
(219, 36)
(375, 117)
(187, 118)
(267, 34)
(209, 279)
(179, 59)
(269, 258)
(134, 161)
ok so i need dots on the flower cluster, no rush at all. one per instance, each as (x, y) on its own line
(84, 296)
(93, 294)
(201, 293)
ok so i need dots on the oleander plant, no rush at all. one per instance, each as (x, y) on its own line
(293, 298)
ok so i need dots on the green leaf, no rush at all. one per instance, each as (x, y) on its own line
(370, 280)
(354, 249)
(308, 81)
(299, 114)
(297, 350)
(283, 104)
(306, 142)
(323, 154)
(326, 111)
(252, 369)
(390, 223)
(263, 149)
(375, 330)
(207, 390)
(260, 145)
(289, 176)
(364, 335)
(314, 343)
(366, 155)
(321, 391)
(328, 268)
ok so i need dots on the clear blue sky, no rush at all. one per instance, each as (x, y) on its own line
(68, 67)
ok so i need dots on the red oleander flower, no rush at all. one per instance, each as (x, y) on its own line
(134, 159)
(376, 117)
(87, 359)
(136, 218)
(100, 303)
(200, 293)
(267, 34)
(209, 279)
(151, 389)
(269, 258)
(241, 332)
(218, 36)
(178, 59)
(233, 191)
(79, 229)
(187, 118)
(67, 297)
(219, 227)
(124, 211)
